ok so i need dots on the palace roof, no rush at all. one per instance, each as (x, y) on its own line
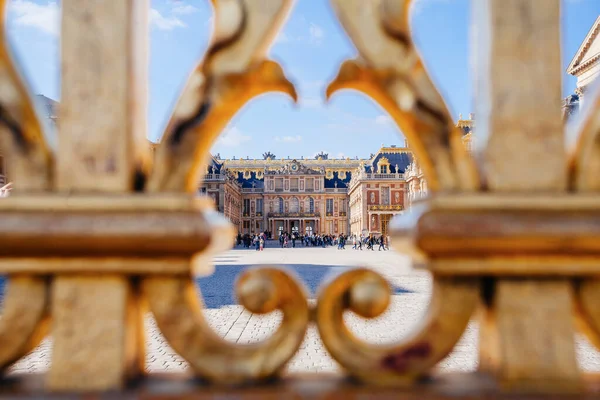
(396, 156)
(588, 53)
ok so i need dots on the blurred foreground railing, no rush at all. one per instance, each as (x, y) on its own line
(94, 236)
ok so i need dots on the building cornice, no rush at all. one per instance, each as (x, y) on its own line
(575, 67)
(579, 69)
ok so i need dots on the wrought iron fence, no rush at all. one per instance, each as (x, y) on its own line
(94, 234)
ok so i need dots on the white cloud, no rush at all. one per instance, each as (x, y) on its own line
(233, 137)
(288, 139)
(43, 17)
(165, 23)
(184, 9)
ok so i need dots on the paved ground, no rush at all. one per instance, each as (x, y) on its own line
(411, 294)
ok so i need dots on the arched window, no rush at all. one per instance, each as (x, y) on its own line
(280, 205)
(294, 205)
(309, 205)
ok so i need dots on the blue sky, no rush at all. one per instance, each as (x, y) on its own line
(310, 47)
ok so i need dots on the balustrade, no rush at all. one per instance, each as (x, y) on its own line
(95, 235)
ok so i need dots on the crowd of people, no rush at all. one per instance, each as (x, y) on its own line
(287, 240)
(255, 240)
(370, 242)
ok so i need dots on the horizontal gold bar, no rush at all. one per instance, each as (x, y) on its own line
(516, 266)
(86, 265)
(105, 202)
(105, 233)
(513, 201)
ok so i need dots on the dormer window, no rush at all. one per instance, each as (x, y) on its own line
(383, 166)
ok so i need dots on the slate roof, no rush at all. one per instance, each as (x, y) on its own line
(402, 159)
(341, 183)
(247, 183)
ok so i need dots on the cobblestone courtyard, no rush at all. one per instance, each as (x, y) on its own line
(312, 265)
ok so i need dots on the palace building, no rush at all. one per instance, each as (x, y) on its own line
(319, 194)
(286, 195)
(585, 66)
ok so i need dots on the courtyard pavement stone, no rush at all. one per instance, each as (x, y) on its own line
(411, 290)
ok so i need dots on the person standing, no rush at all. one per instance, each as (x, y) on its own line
(382, 243)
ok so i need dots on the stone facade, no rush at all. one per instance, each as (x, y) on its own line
(378, 190)
(585, 66)
(226, 192)
(319, 194)
(283, 195)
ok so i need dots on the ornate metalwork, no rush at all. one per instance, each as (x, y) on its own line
(123, 235)
(235, 70)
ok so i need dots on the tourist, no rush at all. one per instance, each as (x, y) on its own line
(382, 243)
(256, 242)
(261, 241)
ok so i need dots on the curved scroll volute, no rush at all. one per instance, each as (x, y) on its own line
(584, 136)
(24, 318)
(390, 71)
(22, 140)
(234, 71)
(175, 305)
(367, 294)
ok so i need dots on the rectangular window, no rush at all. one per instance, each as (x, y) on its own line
(259, 206)
(294, 184)
(246, 207)
(310, 184)
(329, 206)
(385, 196)
(278, 184)
(384, 169)
(343, 206)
